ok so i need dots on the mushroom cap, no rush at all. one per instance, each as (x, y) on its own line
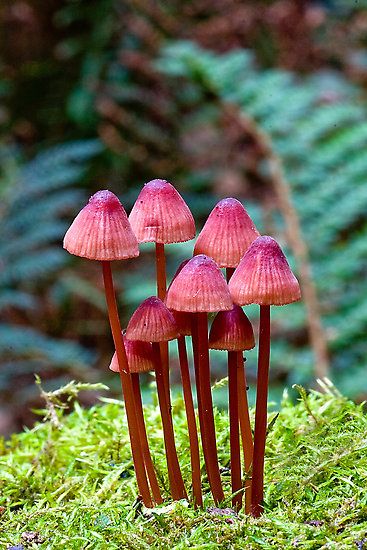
(182, 318)
(101, 230)
(264, 276)
(199, 287)
(161, 215)
(152, 322)
(231, 331)
(139, 356)
(227, 233)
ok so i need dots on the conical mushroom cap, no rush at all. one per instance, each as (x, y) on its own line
(227, 233)
(264, 276)
(139, 356)
(199, 287)
(231, 331)
(101, 231)
(161, 215)
(152, 322)
(182, 318)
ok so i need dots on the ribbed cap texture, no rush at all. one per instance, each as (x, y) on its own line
(199, 287)
(152, 322)
(231, 331)
(227, 233)
(101, 231)
(139, 356)
(161, 215)
(264, 276)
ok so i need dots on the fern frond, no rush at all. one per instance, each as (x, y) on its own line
(316, 127)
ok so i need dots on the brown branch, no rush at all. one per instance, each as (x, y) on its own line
(295, 238)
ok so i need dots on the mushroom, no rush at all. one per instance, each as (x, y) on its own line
(183, 321)
(153, 322)
(263, 277)
(101, 231)
(200, 288)
(140, 359)
(160, 215)
(232, 331)
(225, 237)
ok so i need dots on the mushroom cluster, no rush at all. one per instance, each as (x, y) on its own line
(256, 272)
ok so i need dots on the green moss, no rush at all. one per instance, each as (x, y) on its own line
(70, 480)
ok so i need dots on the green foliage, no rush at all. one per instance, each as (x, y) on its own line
(35, 199)
(70, 481)
(316, 127)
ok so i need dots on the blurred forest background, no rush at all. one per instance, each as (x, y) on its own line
(261, 100)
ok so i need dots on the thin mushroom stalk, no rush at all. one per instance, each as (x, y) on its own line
(177, 486)
(263, 277)
(200, 288)
(191, 422)
(232, 331)
(245, 429)
(234, 432)
(161, 277)
(205, 403)
(244, 418)
(149, 466)
(153, 322)
(257, 496)
(140, 359)
(127, 387)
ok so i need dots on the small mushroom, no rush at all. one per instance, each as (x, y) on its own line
(153, 322)
(232, 331)
(200, 288)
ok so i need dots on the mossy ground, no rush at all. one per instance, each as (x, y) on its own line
(70, 482)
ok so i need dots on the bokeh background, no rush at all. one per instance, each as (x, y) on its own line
(261, 100)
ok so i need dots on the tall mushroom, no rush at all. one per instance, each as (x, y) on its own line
(160, 215)
(200, 288)
(140, 359)
(232, 331)
(153, 322)
(225, 237)
(263, 277)
(183, 321)
(101, 231)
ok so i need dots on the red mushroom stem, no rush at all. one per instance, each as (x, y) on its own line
(244, 418)
(127, 388)
(261, 413)
(149, 466)
(205, 403)
(174, 473)
(160, 260)
(191, 422)
(245, 425)
(234, 432)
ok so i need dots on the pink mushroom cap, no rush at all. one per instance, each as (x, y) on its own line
(231, 331)
(199, 287)
(101, 230)
(227, 233)
(152, 322)
(139, 356)
(264, 276)
(161, 215)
